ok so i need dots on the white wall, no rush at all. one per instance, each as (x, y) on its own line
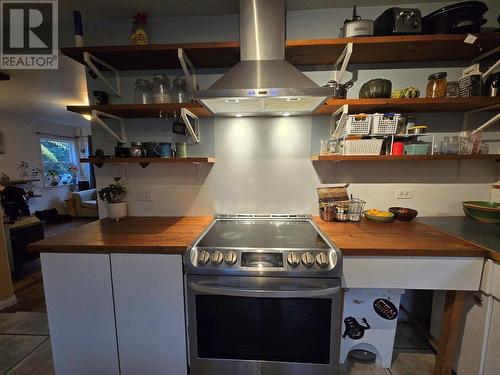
(263, 165)
(23, 144)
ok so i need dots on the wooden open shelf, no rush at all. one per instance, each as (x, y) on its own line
(338, 158)
(142, 110)
(376, 49)
(355, 106)
(144, 162)
(409, 105)
(22, 182)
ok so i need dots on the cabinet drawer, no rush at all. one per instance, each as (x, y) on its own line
(490, 283)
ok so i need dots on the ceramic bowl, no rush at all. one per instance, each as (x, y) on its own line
(380, 219)
(482, 211)
(403, 213)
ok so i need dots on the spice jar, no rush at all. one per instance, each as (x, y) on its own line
(162, 93)
(142, 93)
(436, 85)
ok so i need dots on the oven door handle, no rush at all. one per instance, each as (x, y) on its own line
(255, 293)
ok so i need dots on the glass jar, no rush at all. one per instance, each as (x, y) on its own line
(450, 145)
(142, 93)
(180, 91)
(162, 92)
(452, 89)
(436, 85)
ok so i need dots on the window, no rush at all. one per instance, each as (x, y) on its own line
(59, 161)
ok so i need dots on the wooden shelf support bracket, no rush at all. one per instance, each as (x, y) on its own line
(343, 59)
(337, 123)
(186, 64)
(96, 117)
(89, 58)
(194, 131)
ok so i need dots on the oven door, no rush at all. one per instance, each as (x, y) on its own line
(263, 325)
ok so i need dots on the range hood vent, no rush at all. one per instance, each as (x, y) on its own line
(263, 83)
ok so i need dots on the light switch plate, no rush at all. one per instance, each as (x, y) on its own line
(404, 194)
(146, 196)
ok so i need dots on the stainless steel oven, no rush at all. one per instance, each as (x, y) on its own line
(263, 297)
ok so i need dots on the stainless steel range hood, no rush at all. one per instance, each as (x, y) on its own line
(263, 83)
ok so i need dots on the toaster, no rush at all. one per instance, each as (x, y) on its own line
(396, 21)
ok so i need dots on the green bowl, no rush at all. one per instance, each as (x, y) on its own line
(380, 219)
(482, 211)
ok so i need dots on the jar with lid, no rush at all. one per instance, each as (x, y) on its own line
(452, 89)
(436, 85)
(142, 93)
(162, 92)
(180, 91)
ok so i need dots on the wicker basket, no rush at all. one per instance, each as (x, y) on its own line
(350, 210)
(362, 146)
(385, 123)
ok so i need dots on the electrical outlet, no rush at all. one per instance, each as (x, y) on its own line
(404, 194)
(146, 196)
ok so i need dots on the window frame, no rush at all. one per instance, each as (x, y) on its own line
(73, 156)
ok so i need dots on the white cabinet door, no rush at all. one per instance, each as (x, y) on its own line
(79, 301)
(149, 303)
(476, 324)
(492, 363)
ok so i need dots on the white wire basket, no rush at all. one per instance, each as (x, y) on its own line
(385, 123)
(362, 146)
(357, 125)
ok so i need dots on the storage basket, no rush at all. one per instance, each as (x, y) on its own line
(350, 210)
(385, 123)
(362, 146)
(357, 125)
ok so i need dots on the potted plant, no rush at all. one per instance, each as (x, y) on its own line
(114, 196)
(73, 171)
(54, 177)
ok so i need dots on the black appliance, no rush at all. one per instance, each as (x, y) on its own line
(460, 18)
(396, 21)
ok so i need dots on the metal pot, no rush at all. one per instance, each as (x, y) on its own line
(339, 90)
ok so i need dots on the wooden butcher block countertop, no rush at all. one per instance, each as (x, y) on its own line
(159, 235)
(397, 239)
(172, 235)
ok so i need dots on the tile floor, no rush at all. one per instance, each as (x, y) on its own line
(25, 344)
(25, 350)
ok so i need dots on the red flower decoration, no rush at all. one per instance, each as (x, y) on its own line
(140, 17)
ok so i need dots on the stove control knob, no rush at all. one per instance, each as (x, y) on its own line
(231, 258)
(293, 259)
(307, 259)
(322, 260)
(217, 257)
(203, 257)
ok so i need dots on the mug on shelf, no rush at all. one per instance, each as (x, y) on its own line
(164, 149)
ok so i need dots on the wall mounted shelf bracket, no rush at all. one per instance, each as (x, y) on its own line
(343, 59)
(194, 131)
(186, 64)
(96, 116)
(89, 60)
(337, 123)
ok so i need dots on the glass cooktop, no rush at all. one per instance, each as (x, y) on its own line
(284, 234)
